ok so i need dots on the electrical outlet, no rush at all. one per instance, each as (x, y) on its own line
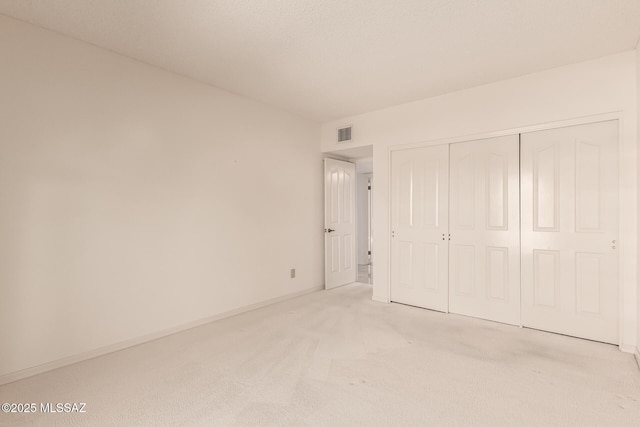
(293, 273)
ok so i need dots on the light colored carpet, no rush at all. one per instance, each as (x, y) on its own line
(337, 358)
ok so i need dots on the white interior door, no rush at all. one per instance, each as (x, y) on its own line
(569, 230)
(339, 223)
(419, 216)
(484, 223)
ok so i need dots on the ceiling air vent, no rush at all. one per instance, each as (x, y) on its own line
(344, 134)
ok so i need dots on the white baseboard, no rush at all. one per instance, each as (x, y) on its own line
(626, 348)
(635, 350)
(29, 372)
(380, 299)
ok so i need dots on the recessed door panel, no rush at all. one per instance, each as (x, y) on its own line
(431, 186)
(419, 200)
(405, 265)
(484, 262)
(497, 205)
(464, 180)
(546, 277)
(588, 187)
(464, 274)
(404, 185)
(430, 261)
(589, 282)
(336, 250)
(545, 188)
(569, 225)
(497, 270)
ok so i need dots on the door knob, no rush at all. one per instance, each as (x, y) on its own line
(329, 230)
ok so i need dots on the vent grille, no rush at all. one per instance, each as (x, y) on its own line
(344, 134)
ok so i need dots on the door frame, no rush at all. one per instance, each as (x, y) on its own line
(626, 259)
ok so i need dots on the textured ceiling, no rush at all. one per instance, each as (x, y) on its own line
(325, 59)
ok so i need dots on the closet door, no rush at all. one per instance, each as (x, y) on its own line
(419, 211)
(569, 230)
(484, 221)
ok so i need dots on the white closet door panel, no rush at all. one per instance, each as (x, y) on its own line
(484, 264)
(419, 221)
(569, 228)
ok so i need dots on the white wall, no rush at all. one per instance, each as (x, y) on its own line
(133, 200)
(591, 88)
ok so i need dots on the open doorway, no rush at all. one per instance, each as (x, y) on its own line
(364, 192)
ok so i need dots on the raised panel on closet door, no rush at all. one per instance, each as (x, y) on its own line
(569, 229)
(419, 204)
(484, 263)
